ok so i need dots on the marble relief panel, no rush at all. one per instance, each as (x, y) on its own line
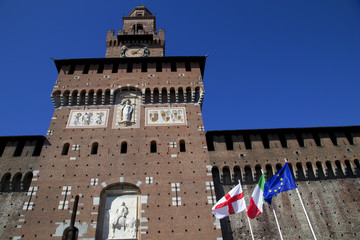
(88, 118)
(165, 116)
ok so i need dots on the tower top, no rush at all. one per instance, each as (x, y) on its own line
(140, 11)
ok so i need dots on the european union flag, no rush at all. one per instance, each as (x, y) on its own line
(280, 182)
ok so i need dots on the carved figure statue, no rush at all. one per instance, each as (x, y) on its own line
(127, 110)
(122, 222)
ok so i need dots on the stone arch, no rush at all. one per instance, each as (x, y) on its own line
(5, 183)
(172, 95)
(16, 183)
(147, 95)
(156, 96)
(66, 98)
(248, 174)
(112, 210)
(91, 97)
(310, 171)
(74, 98)
(330, 171)
(180, 95)
(188, 95)
(164, 97)
(269, 171)
(339, 169)
(348, 169)
(107, 96)
(357, 167)
(320, 170)
(83, 97)
(257, 172)
(226, 176)
(215, 174)
(237, 174)
(27, 181)
(300, 172)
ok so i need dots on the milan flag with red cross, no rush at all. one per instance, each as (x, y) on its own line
(231, 203)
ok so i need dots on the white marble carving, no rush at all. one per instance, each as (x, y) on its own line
(127, 110)
(88, 118)
(120, 217)
(165, 116)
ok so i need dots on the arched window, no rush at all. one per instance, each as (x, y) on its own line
(349, 171)
(320, 170)
(248, 175)
(116, 199)
(339, 171)
(16, 183)
(188, 95)
(99, 97)
(182, 146)
(269, 171)
(197, 94)
(357, 164)
(153, 147)
(94, 148)
(156, 95)
(147, 96)
(107, 96)
(65, 149)
(91, 97)
(278, 167)
(301, 176)
(66, 97)
(226, 176)
(74, 98)
(216, 175)
(164, 95)
(310, 171)
(258, 172)
(137, 28)
(27, 181)
(56, 98)
(330, 171)
(82, 97)
(5, 183)
(172, 95)
(180, 95)
(123, 147)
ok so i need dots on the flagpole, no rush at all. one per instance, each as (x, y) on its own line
(251, 231)
(277, 222)
(302, 204)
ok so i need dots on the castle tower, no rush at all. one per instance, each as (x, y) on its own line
(127, 141)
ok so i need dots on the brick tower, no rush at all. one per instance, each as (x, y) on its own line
(126, 154)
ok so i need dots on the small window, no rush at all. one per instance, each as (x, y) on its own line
(182, 146)
(65, 149)
(153, 147)
(123, 147)
(94, 148)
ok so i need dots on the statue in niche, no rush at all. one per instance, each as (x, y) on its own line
(119, 220)
(126, 112)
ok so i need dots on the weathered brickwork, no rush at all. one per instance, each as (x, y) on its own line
(324, 162)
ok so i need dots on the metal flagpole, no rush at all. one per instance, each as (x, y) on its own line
(277, 222)
(251, 231)
(302, 204)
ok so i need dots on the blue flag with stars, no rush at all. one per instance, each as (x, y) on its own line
(280, 182)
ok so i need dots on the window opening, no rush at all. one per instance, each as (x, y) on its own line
(65, 149)
(123, 147)
(94, 148)
(153, 147)
(182, 146)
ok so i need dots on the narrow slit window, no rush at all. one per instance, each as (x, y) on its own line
(94, 148)
(182, 146)
(123, 147)
(153, 148)
(65, 149)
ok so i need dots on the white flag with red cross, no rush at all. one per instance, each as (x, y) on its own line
(233, 202)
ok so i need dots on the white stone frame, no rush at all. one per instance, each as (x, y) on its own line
(135, 98)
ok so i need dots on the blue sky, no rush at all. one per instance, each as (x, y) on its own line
(271, 64)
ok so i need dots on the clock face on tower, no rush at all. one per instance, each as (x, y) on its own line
(135, 51)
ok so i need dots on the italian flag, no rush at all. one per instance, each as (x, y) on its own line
(257, 199)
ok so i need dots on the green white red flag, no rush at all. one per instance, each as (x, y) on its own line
(257, 199)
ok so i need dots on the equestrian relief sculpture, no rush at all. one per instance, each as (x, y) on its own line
(119, 220)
